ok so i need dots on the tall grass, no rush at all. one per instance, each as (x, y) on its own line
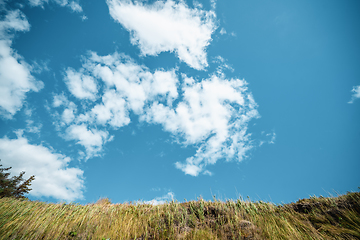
(314, 218)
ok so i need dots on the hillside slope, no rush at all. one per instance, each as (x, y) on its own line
(314, 218)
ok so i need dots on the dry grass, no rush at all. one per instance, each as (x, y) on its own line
(314, 218)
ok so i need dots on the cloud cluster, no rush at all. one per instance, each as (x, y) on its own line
(167, 26)
(126, 87)
(211, 114)
(53, 177)
(356, 93)
(70, 124)
(15, 73)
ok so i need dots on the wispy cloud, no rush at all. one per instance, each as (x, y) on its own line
(161, 200)
(73, 5)
(53, 177)
(222, 31)
(356, 94)
(31, 125)
(273, 137)
(15, 73)
(167, 26)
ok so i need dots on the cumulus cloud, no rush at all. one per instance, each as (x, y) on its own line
(59, 100)
(13, 20)
(77, 127)
(15, 73)
(356, 93)
(113, 110)
(167, 26)
(91, 138)
(80, 85)
(69, 110)
(68, 114)
(133, 82)
(127, 87)
(161, 200)
(73, 5)
(213, 114)
(53, 177)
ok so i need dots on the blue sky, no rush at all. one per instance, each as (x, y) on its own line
(161, 100)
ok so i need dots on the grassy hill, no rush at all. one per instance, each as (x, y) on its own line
(314, 218)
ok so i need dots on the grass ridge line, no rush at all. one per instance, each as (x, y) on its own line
(312, 218)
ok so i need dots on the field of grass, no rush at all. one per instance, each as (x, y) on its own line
(313, 218)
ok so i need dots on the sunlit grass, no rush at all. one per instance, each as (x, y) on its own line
(314, 218)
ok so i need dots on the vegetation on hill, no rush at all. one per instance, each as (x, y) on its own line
(314, 218)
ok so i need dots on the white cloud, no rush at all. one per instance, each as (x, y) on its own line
(161, 200)
(128, 87)
(189, 167)
(69, 113)
(80, 85)
(15, 73)
(60, 100)
(91, 138)
(14, 20)
(53, 177)
(112, 110)
(356, 93)
(213, 114)
(135, 83)
(73, 5)
(31, 126)
(269, 138)
(37, 2)
(273, 137)
(222, 31)
(167, 26)
(222, 65)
